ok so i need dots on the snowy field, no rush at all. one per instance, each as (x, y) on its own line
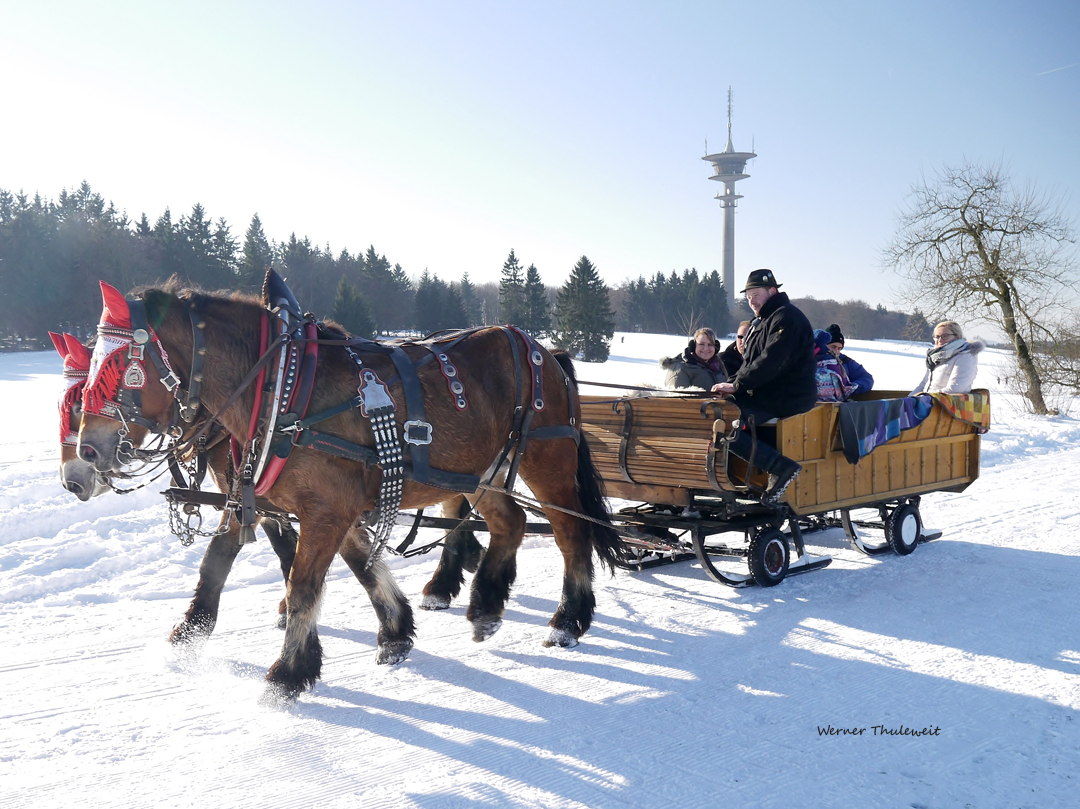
(683, 694)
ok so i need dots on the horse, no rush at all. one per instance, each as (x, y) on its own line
(335, 497)
(85, 482)
(77, 476)
(461, 551)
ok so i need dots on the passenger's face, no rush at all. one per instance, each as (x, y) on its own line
(704, 348)
(943, 336)
(740, 338)
(835, 349)
(756, 297)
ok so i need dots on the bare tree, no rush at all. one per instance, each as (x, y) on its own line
(970, 243)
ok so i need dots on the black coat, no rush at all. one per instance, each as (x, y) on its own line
(778, 371)
(732, 360)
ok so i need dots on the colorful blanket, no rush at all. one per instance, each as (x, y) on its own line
(865, 425)
(972, 408)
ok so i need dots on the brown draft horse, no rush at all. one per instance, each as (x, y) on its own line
(330, 496)
(85, 482)
(461, 551)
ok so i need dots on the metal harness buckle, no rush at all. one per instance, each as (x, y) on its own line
(417, 432)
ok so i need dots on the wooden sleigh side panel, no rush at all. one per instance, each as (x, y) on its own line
(657, 449)
(939, 454)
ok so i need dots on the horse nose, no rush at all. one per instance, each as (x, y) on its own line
(87, 453)
(74, 487)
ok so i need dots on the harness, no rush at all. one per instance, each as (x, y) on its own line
(279, 420)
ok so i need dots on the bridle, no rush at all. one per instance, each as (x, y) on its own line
(140, 343)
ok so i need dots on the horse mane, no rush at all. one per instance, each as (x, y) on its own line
(158, 299)
(562, 356)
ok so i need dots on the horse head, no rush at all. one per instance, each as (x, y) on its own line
(77, 476)
(125, 397)
(147, 375)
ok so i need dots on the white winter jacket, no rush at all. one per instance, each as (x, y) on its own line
(951, 368)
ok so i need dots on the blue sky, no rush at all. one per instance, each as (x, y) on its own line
(448, 133)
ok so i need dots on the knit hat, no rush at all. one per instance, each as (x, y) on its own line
(822, 339)
(837, 335)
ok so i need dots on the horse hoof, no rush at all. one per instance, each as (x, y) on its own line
(482, 630)
(189, 634)
(393, 653)
(561, 638)
(278, 696)
(435, 602)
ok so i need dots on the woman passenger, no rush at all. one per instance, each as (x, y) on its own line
(833, 384)
(952, 363)
(698, 366)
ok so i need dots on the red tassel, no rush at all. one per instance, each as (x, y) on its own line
(68, 401)
(107, 384)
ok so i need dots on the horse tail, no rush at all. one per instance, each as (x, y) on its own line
(609, 546)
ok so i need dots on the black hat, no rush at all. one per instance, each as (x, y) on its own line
(837, 335)
(760, 279)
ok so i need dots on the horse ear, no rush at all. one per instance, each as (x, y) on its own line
(78, 354)
(115, 312)
(59, 344)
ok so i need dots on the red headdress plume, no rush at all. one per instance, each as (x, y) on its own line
(76, 365)
(115, 312)
(58, 342)
(78, 354)
(108, 360)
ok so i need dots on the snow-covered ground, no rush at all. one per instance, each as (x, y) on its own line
(684, 693)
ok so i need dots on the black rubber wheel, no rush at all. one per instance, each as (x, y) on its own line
(768, 557)
(903, 529)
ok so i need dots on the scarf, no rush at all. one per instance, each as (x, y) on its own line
(691, 358)
(942, 354)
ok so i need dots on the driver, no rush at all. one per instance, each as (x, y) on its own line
(777, 377)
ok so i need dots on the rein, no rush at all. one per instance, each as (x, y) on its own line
(684, 393)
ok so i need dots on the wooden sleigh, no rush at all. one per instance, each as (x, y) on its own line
(670, 455)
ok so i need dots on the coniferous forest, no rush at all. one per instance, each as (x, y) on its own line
(53, 252)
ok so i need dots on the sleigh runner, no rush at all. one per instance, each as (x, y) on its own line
(670, 455)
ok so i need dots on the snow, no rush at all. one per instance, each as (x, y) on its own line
(684, 693)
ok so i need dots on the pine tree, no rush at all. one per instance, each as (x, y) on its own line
(585, 323)
(454, 314)
(351, 311)
(426, 304)
(438, 305)
(257, 255)
(512, 291)
(223, 249)
(714, 302)
(636, 306)
(470, 302)
(537, 312)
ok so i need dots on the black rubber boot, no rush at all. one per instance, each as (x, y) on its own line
(783, 472)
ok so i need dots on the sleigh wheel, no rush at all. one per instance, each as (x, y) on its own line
(768, 557)
(903, 529)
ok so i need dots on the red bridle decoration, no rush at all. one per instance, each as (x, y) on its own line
(117, 358)
(76, 367)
